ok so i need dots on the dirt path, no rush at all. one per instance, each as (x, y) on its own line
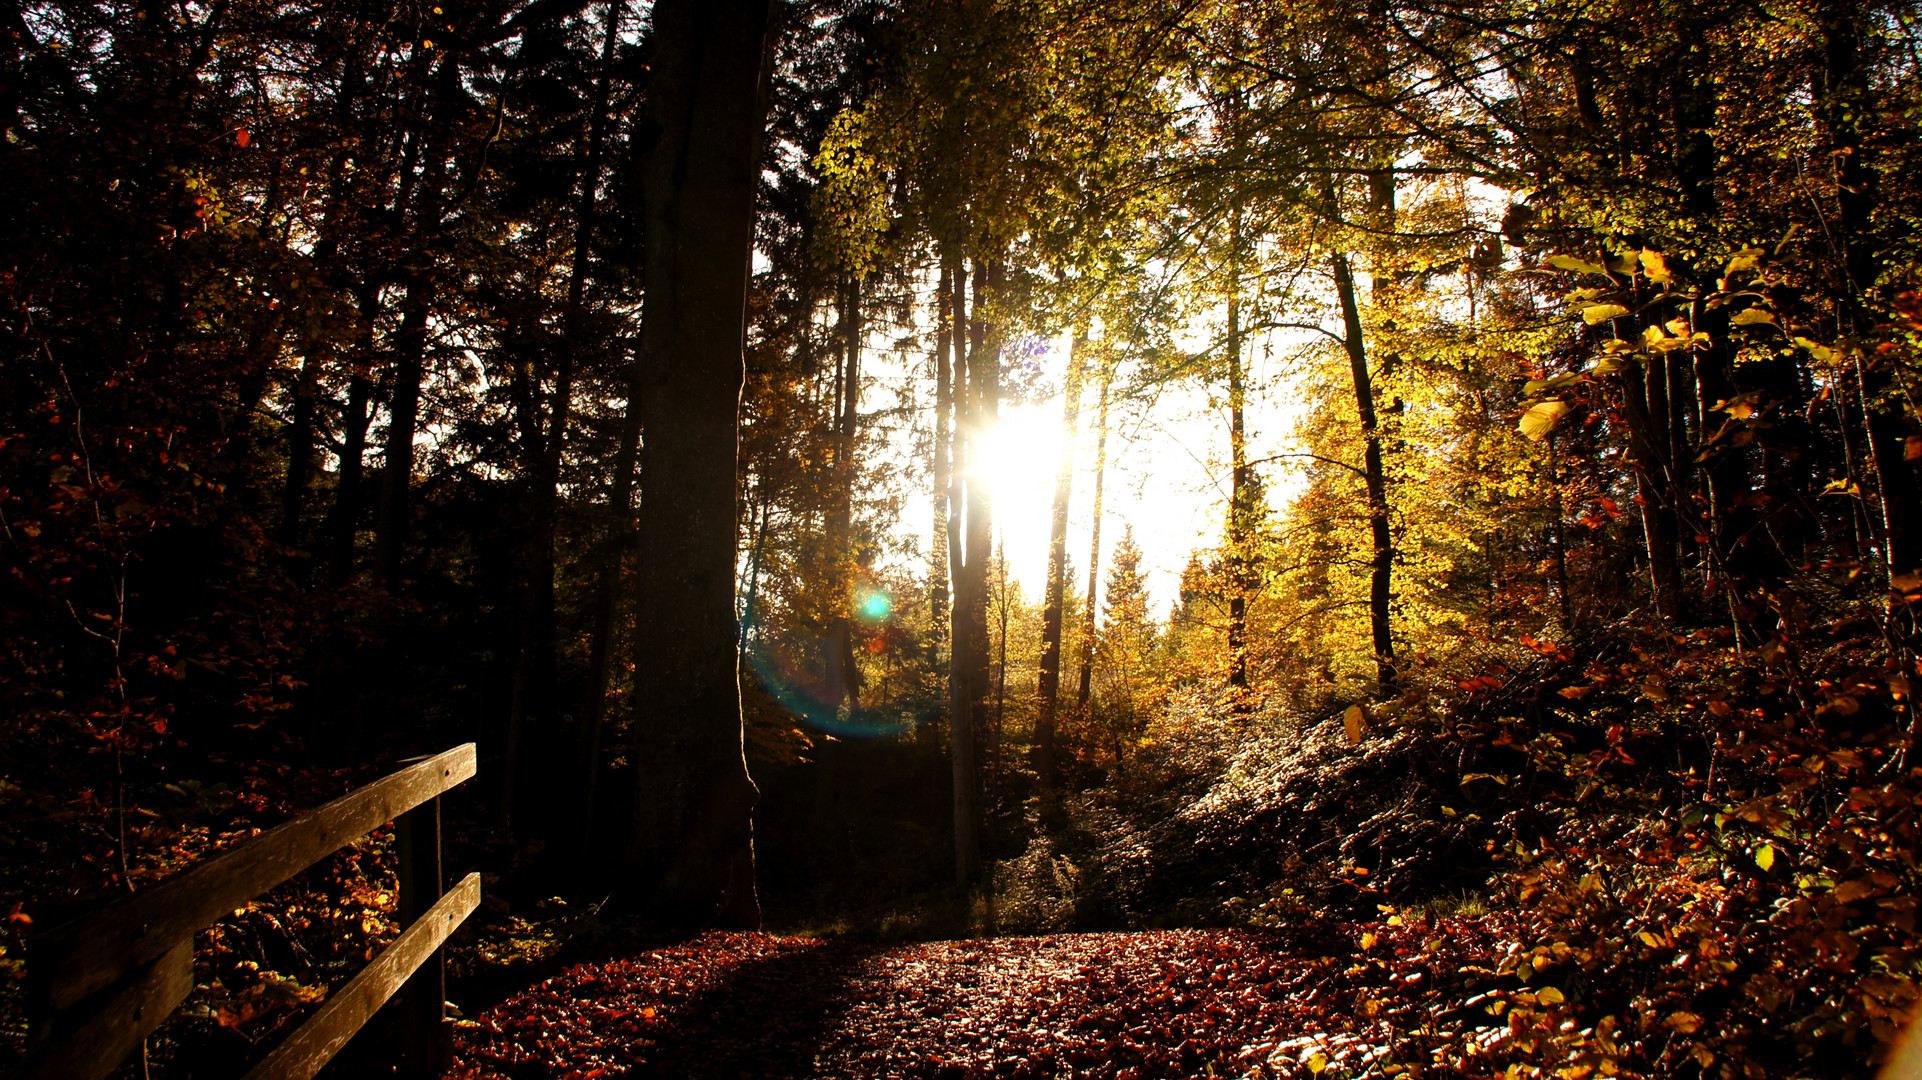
(1146, 1006)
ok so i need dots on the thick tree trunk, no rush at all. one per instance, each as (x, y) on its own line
(1382, 555)
(1049, 689)
(692, 859)
(1085, 688)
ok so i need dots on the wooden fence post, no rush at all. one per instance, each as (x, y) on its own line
(427, 1033)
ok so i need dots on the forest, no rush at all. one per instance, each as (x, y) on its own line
(1111, 538)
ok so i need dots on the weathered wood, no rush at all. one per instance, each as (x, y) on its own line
(86, 1044)
(324, 1033)
(428, 1045)
(89, 955)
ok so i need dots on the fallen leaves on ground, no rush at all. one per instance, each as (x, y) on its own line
(1337, 999)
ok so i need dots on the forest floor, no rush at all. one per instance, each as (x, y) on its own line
(1337, 998)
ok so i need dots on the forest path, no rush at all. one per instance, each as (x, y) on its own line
(1157, 1004)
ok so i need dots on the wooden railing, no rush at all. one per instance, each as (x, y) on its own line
(104, 983)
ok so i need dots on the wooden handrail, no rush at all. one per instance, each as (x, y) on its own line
(103, 983)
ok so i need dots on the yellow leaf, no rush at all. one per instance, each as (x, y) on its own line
(1654, 267)
(1541, 418)
(1368, 940)
(1765, 858)
(1906, 582)
(1751, 317)
(1822, 353)
(1595, 313)
(1354, 722)
(1570, 262)
(1317, 1062)
(1550, 996)
(1746, 259)
(1650, 940)
(1685, 1022)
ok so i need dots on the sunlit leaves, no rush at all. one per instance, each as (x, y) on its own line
(1541, 418)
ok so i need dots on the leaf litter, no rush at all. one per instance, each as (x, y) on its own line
(1336, 998)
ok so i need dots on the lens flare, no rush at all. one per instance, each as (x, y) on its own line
(799, 671)
(875, 607)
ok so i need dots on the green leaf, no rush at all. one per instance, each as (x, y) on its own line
(1570, 262)
(1595, 313)
(1541, 419)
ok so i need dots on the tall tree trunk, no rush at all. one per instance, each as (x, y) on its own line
(319, 347)
(941, 466)
(403, 409)
(1085, 689)
(343, 523)
(966, 566)
(410, 344)
(534, 660)
(692, 859)
(1000, 669)
(1049, 689)
(843, 680)
(1645, 407)
(1241, 509)
(1845, 106)
(616, 541)
(1382, 557)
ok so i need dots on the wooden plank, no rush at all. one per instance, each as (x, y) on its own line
(88, 1045)
(425, 1034)
(83, 957)
(325, 1032)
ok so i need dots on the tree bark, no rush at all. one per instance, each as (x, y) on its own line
(1241, 511)
(1085, 689)
(970, 530)
(1049, 689)
(410, 344)
(843, 680)
(692, 859)
(941, 466)
(1382, 556)
(343, 523)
